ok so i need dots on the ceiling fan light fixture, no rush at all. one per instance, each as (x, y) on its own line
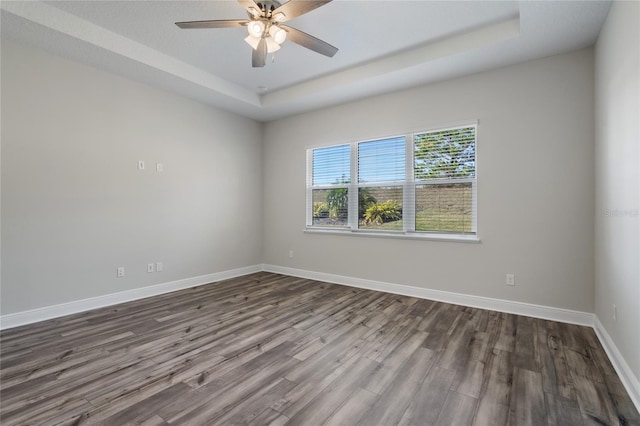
(256, 28)
(278, 34)
(272, 46)
(252, 41)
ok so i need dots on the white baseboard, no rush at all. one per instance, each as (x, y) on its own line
(508, 306)
(49, 312)
(519, 308)
(629, 380)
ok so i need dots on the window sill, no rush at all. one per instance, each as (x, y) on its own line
(398, 235)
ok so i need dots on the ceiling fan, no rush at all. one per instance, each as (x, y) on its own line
(266, 31)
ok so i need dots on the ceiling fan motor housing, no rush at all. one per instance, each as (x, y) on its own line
(268, 6)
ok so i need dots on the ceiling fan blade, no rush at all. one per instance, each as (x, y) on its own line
(213, 24)
(250, 6)
(294, 8)
(309, 41)
(259, 55)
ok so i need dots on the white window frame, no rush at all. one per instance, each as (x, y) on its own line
(408, 197)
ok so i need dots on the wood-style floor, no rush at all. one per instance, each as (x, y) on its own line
(271, 349)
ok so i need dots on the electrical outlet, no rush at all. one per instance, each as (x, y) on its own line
(159, 167)
(159, 267)
(510, 279)
(615, 313)
(120, 271)
(150, 267)
(290, 254)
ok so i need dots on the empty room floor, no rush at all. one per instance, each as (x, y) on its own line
(273, 349)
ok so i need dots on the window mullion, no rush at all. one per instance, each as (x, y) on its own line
(309, 198)
(409, 189)
(353, 189)
(474, 206)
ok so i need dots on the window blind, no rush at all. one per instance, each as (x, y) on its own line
(445, 172)
(381, 160)
(331, 165)
(329, 193)
(445, 154)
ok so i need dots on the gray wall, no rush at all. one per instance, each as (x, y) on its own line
(617, 236)
(74, 205)
(535, 185)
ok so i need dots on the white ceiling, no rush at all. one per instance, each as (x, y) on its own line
(384, 45)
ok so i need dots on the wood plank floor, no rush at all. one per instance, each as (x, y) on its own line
(271, 349)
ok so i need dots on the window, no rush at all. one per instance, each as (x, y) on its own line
(445, 180)
(330, 180)
(381, 177)
(419, 184)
